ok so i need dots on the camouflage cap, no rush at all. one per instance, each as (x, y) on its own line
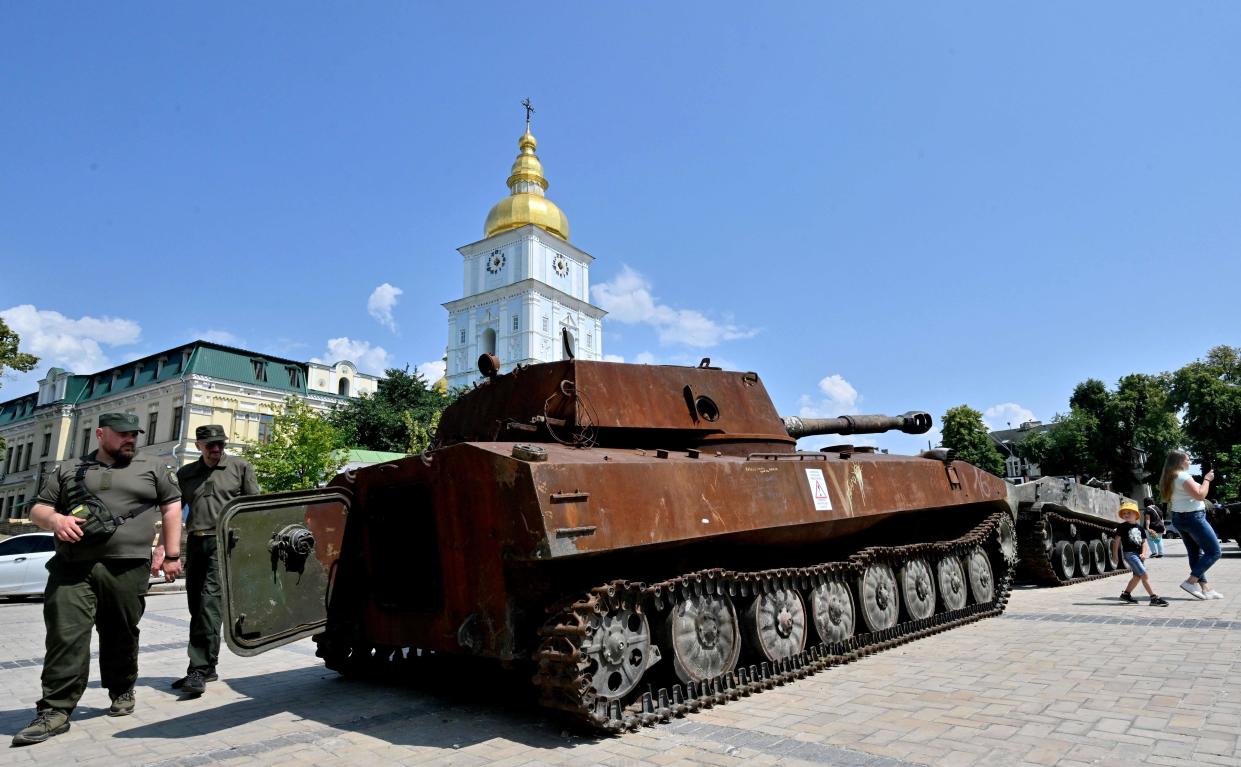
(120, 422)
(212, 432)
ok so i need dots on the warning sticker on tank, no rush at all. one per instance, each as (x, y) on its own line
(818, 489)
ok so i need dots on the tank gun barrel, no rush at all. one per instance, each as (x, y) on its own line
(913, 422)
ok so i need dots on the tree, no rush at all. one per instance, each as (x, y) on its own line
(1121, 437)
(304, 450)
(1209, 391)
(400, 415)
(964, 432)
(420, 436)
(11, 358)
(1064, 448)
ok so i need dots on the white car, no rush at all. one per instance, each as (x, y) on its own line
(23, 564)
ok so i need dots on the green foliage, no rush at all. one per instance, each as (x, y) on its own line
(1105, 433)
(1064, 448)
(11, 358)
(420, 436)
(1209, 391)
(401, 414)
(964, 432)
(305, 450)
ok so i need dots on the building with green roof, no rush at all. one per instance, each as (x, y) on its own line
(172, 392)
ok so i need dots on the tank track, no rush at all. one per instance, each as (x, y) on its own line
(563, 670)
(1034, 562)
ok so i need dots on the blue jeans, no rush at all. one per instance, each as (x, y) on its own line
(1156, 542)
(1201, 542)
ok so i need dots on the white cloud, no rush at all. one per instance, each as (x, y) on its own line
(1009, 415)
(613, 358)
(383, 299)
(628, 299)
(432, 371)
(73, 344)
(369, 359)
(645, 358)
(219, 337)
(838, 398)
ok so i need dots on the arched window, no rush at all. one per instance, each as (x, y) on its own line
(489, 341)
(343, 389)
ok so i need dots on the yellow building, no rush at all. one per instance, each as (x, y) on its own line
(172, 393)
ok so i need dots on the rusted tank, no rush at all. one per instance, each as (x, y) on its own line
(1064, 531)
(643, 540)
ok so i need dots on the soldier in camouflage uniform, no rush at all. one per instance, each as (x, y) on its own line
(207, 485)
(98, 579)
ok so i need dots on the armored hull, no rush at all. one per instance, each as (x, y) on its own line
(643, 540)
(1064, 531)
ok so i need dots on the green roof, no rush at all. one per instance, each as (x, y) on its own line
(18, 409)
(249, 368)
(203, 358)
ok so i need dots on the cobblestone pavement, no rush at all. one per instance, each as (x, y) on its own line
(1067, 676)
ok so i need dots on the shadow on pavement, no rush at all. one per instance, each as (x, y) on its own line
(448, 705)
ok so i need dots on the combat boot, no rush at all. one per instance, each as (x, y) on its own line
(47, 723)
(195, 683)
(122, 705)
(208, 676)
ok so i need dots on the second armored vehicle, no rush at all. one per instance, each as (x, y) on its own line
(1064, 531)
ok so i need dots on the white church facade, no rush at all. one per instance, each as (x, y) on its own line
(526, 288)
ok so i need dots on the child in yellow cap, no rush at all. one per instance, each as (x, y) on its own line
(1131, 539)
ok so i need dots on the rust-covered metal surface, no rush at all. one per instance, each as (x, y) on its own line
(648, 540)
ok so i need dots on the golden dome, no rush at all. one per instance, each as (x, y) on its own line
(526, 203)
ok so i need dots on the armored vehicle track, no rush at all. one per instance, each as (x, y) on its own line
(1059, 549)
(729, 634)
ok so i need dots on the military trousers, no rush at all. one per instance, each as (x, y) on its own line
(202, 586)
(106, 594)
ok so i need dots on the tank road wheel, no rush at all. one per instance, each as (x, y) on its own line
(1008, 538)
(880, 603)
(831, 607)
(703, 634)
(951, 578)
(620, 651)
(1081, 553)
(918, 589)
(1049, 538)
(775, 624)
(982, 582)
(1113, 561)
(1063, 560)
(1098, 557)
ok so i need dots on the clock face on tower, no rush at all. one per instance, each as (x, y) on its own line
(495, 261)
(560, 265)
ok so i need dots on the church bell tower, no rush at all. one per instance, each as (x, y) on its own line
(525, 286)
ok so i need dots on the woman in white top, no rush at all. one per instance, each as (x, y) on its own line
(1186, 501)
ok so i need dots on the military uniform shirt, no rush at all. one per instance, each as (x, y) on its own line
(208, 489)
(138, 488)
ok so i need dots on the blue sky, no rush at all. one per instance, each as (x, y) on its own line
(876, 206)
